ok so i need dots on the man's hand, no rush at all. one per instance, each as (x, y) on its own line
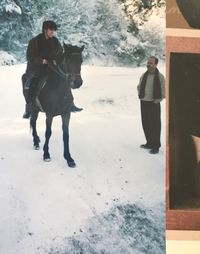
(157, 100)
(44, 61)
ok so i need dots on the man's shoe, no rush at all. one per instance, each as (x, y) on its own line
(145, 146)
(26, 115)
(154, 151)
(75, 109)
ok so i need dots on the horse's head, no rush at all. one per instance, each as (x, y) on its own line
(73, 61)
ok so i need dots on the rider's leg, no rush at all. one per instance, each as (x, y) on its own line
(30, 89)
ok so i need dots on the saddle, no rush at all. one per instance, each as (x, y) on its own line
(33, 85)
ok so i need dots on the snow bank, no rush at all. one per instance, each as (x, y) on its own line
(10, 6)
(7, 59)
(127, 229)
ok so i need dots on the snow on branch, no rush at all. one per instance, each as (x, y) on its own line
(7, 59)
(10, 6)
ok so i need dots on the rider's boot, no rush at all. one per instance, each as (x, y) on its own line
(75, 109)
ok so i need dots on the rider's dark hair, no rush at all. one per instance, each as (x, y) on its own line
(49, 24)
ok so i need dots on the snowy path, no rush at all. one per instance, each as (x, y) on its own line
(42, 202)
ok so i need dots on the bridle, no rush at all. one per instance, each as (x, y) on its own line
(57, 69)
(60, 72)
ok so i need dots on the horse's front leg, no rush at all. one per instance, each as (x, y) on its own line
(46, 155)
(65, 126)
(33, 120)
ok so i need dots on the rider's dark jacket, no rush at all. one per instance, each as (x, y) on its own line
(40, 48)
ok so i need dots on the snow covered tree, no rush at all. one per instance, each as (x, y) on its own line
(114, 31)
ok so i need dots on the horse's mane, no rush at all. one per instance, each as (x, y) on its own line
(69, 48)
(72, 47)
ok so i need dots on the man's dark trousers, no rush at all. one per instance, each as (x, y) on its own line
(151, 122)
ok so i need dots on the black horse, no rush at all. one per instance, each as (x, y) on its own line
(55, 98)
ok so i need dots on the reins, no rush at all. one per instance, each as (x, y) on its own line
(57, 69)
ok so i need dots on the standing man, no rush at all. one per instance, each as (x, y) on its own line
(151, 91)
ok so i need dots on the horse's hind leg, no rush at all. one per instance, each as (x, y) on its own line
(46, 155)
(65, 126)
(33, 120)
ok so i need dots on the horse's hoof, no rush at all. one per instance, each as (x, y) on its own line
(47, 158)
(36, 147)
(71, 164)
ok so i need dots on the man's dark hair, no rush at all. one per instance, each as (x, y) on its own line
(49, 24)
(155, 58)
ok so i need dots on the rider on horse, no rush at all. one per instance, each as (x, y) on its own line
(43, 49)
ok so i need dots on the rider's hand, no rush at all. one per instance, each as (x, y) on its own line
(44, 61)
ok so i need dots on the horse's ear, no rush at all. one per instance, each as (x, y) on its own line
(66, 47)
(82, 48)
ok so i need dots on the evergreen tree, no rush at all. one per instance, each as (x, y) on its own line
(113, 31)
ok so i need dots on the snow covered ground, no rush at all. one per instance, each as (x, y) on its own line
(113, 202)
